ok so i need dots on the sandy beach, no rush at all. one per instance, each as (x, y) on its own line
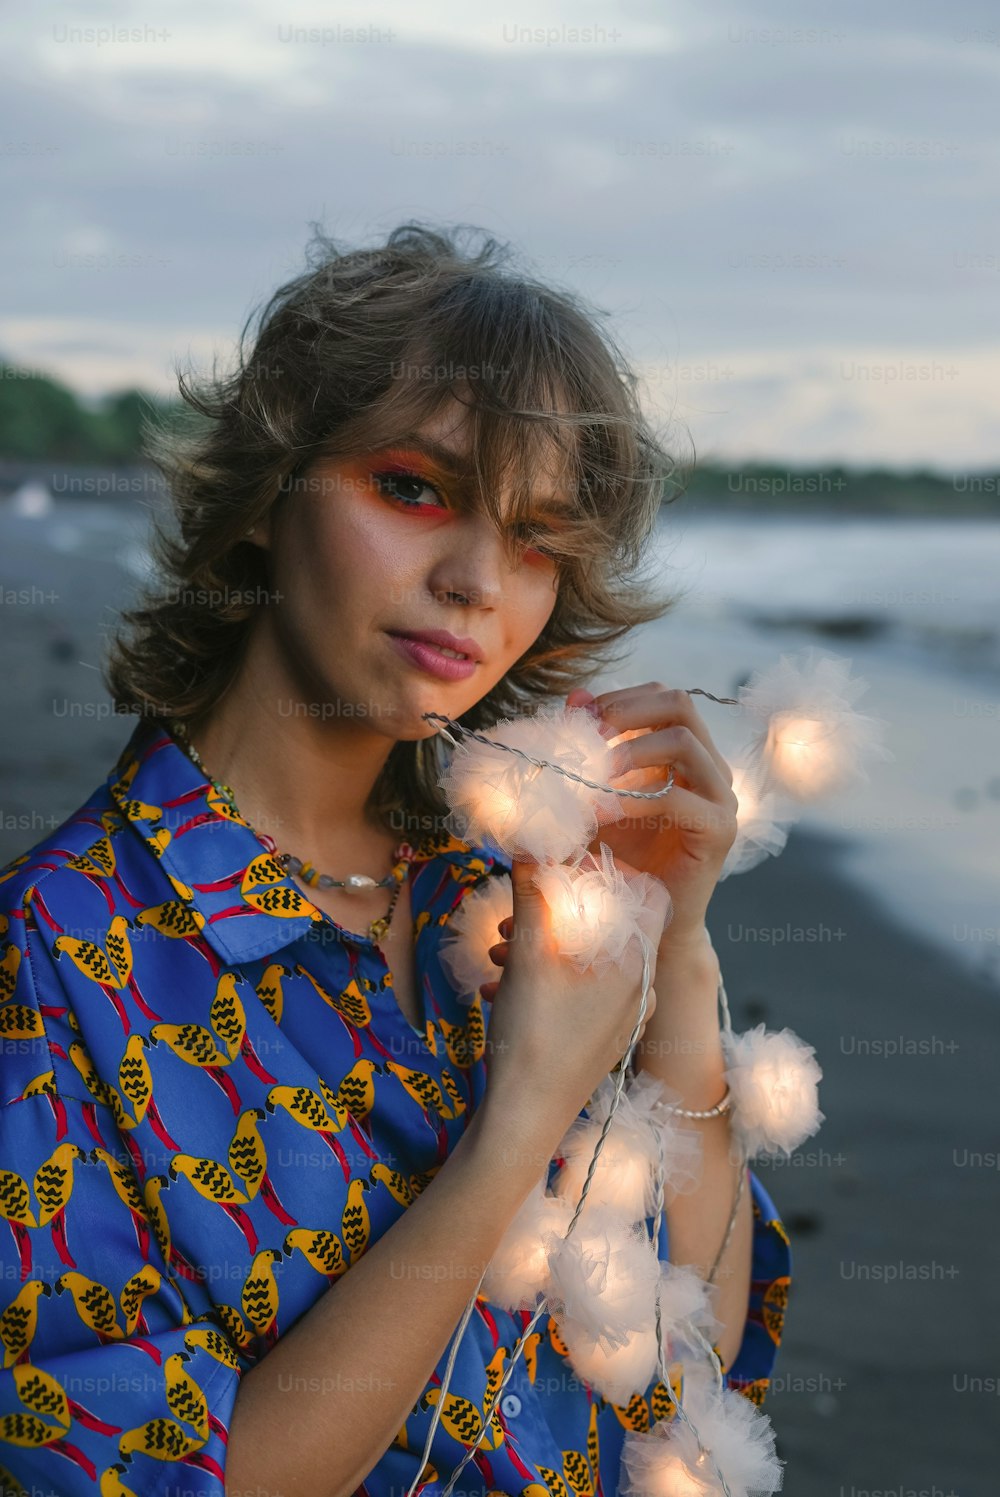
(886, 1381)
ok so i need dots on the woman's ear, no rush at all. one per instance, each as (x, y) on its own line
(260, 533)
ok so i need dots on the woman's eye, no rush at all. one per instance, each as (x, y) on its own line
(407, 488)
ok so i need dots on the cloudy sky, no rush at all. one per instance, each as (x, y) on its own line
(788, 212)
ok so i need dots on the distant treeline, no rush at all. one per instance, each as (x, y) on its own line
(43, 420)
(869, 491)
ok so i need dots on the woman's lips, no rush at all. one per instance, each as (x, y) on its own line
(429, 658)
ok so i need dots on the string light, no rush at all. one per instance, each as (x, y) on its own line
(607, 1283)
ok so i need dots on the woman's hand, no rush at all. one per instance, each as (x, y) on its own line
(555, 1032)
(683, 838)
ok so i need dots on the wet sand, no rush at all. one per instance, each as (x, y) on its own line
(893, 1208)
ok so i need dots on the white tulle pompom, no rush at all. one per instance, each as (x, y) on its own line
(773, 1078)
(736, 1438)
(685, 1301)
(762, 820)
(519, 1269)
(526, 811)
(471, 931)
(603, 1277)
(622, 1371)
(642, 1136)
(615, 1374)
(596, 909)
(811, 740)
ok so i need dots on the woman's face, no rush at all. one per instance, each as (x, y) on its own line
(377, 547)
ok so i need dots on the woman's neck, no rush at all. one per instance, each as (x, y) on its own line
(300, 776)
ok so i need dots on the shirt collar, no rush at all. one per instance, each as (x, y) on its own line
(225, 878)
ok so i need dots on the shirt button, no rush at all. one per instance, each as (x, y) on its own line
(510, 1405)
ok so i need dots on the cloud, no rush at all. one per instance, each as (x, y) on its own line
(731, 185)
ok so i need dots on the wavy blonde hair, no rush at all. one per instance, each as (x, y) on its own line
(362, 347)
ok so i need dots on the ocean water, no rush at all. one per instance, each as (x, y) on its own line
(914, 605)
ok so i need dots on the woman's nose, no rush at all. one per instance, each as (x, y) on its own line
(475, 566)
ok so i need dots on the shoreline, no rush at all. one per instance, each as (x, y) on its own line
(893, 1264)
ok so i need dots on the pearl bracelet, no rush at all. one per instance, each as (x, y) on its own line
(706, 1112)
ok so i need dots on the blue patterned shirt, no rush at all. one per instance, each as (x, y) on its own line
(211, 1106)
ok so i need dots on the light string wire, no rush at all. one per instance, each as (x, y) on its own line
(661, 1343)
(543, 1303)
(621, 1075)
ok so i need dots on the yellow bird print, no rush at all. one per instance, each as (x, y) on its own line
(463, 1420)
(99, 859)
(269, 989)
(283, 901)
(465, 1043)
(110, 969)
(422, 1178)
(19, 1022)
(185, 1400)
(190, 1042)
(136, 1290)
(95, 1304)
(355, 1224)
(423, 1089)
(248, 1160)
(233, 1322)
(357, 1090)
(53, 1184)
(321, 1249)
(89, 958)
(531, 1346)
(576, 1469)
(247, 1155)
(19, 1321)
(44, 1398)
(172, 918)
(126, 1187)
(9, 967)
(218, 1046)
(112, 1484)
(135, 1080)
(226, 1016)
(593, 1442)
(306, 1108)
(554, 1482)
(494, 1372)
(209, 1178)
(98, 1088)
(214, 1182)
(260, 1292)
(351, 1004)
(397, 1184)
(207, 1338)
(162, 1440)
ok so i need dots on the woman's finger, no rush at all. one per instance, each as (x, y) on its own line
(681, 747)
(498, 953)
(653, 705)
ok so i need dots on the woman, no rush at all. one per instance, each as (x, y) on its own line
(232, 1080)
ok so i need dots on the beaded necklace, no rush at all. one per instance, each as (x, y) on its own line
(304, 870)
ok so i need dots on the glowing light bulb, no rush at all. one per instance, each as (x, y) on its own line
(804, 755)
(496, 807)
(675, 1478)
(620, 1179)
(576, 911)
